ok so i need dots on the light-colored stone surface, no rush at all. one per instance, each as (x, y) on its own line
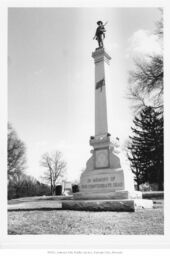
(143, 204)
(101, 59)
(105, 180)
(108, 195)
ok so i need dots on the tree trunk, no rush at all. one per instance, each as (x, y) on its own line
(54, 189)
(51, 188)
(138, 185)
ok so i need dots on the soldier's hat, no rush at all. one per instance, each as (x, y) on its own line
(99, 22)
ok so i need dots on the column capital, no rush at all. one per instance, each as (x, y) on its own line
(101, 55)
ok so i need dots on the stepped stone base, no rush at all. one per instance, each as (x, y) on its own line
(109, 195)
(128, 205)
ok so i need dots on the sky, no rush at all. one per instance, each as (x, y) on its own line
(51, 77)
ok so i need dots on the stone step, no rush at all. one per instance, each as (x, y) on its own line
(128, 205)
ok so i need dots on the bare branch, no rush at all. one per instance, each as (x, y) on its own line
(146, 83)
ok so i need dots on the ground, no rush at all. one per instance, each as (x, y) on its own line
(43, 215)
(142, 222)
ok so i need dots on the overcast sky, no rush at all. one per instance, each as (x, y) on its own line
(51, 76)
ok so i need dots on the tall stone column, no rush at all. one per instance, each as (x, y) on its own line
(101, 60)
(105, 176)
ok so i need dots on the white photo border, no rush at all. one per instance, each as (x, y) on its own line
(77, 241)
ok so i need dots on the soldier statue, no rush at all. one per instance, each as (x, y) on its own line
(100, 33)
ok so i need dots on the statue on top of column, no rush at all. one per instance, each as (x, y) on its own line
(100, 33)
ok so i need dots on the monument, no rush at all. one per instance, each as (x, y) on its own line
(106, 181)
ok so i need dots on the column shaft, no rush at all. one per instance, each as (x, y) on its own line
(101, 59)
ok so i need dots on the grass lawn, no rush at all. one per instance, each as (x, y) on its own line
(141, 222)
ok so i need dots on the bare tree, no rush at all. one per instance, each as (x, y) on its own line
(146, 84)
(146, 80)
(16, 155)
(55, 168)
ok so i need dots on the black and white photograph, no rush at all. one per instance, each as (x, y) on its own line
(85, 121)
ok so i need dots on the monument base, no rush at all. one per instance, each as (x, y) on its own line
(107, 182)
(128, 205)
(108, 195)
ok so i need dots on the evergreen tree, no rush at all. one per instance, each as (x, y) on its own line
(146, 147)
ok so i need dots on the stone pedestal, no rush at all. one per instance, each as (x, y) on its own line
(105, 177)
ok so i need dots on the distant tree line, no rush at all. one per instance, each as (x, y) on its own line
(26, 186)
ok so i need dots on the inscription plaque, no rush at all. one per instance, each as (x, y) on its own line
(110, 182)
